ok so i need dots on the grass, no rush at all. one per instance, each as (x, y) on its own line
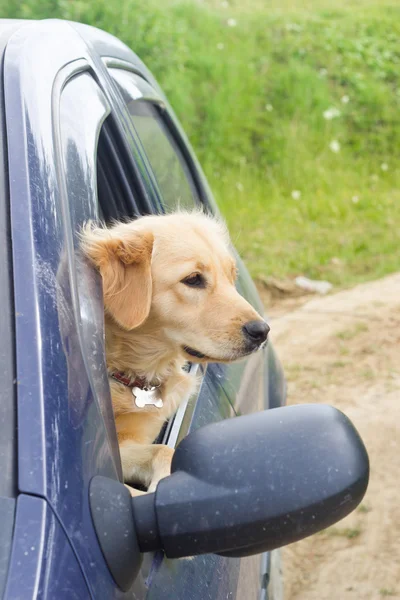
(251, 81)
(349, 532)
(363, 508)
(349, 334)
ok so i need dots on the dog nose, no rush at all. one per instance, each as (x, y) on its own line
(256, 331)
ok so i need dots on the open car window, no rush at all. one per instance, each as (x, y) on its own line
(171, 174)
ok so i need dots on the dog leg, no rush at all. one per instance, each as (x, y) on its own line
(145, 464)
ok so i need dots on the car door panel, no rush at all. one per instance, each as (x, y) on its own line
(66, 433)
(38, 534)
(209, 577)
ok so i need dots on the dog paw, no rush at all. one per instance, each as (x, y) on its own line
(161, 466)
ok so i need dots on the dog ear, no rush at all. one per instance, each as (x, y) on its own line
(123, 258)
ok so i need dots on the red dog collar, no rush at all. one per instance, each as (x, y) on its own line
(139, 382)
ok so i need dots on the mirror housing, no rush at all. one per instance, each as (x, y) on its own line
(253, 483)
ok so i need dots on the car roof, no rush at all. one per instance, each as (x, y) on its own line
(104, 44)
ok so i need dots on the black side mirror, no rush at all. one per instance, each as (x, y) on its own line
(241, 486)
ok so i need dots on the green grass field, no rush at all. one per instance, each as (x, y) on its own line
(294, 111)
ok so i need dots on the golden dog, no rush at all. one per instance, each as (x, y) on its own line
(169, 297)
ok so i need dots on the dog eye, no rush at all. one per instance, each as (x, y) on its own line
(196, 280)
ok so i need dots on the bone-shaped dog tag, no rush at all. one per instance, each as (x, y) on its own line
(147, 397)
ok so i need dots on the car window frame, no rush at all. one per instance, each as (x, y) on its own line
(171, 433)
(8, 372)
(75, 261)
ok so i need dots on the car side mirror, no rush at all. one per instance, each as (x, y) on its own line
(239, 487)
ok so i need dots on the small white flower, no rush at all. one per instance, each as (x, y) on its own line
(334, 146)
(384, 166)
(224, 4)
(331, 113)
(220, 46)
(323, 72)
(293, 27)
(239, 186)
(296, 194)
(355, 199)
(345, 99)
(232, 22)
(269, 107)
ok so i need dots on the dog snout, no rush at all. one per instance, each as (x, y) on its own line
(256, 332)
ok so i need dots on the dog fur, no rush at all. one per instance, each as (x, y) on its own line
(153, 316)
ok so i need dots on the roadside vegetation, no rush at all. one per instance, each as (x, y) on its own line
(294, 111)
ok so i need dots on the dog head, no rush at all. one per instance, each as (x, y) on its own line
(174, 276)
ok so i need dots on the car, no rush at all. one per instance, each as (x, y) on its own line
(87, 134)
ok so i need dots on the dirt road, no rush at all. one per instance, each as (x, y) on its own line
(345, 350)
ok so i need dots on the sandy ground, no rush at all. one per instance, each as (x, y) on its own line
(344, 350)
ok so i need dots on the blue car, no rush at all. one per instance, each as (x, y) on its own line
(87, 134)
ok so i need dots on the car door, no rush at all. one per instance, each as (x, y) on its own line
(226, 390)
(75, 154)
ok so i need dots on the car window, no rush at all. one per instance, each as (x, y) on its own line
(171, 171)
